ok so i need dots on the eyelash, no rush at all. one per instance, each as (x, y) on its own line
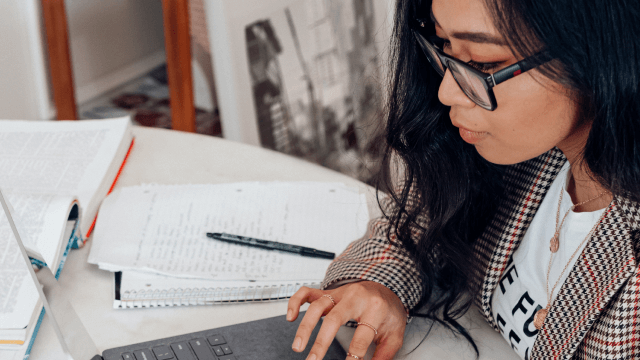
(484, 67)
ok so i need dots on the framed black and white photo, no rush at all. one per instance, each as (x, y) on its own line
(304, 77)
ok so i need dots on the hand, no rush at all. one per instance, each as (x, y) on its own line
(366, 301)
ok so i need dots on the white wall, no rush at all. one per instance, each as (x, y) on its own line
(24, 92)
(113, 41)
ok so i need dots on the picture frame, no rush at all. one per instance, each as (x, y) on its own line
(304, 77)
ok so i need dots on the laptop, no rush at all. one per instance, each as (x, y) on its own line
(262, 339)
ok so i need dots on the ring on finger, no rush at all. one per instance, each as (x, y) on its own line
(330, 298)
(355, 356)
(370, 326)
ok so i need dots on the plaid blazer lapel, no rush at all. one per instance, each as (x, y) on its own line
(527, 184)
(603, 267)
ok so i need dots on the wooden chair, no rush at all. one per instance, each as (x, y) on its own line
(177, 47)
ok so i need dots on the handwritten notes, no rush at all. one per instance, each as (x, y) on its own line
(161, 228)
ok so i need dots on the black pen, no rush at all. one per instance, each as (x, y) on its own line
(272, 245)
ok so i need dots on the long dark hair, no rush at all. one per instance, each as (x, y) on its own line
(596, 47)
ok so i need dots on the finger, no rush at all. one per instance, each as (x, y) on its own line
(328, 302)
(315, 311)
(302, 296)
(327, 333)
(362, 338)
(387, 347)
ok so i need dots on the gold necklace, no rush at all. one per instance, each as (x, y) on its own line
(554, 243)
(539, 317)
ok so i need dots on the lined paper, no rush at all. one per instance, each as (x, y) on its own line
(162, 228)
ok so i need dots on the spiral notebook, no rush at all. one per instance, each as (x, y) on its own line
(154, 238)
(136, 289)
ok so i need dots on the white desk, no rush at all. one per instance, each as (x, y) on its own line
(171, 157)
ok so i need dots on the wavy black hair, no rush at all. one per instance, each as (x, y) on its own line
(596, 47)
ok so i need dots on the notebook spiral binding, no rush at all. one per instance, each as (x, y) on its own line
(207, 296)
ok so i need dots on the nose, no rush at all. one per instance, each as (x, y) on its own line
(450, 93)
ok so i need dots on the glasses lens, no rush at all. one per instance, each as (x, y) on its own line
(471, 84)
(431, 54)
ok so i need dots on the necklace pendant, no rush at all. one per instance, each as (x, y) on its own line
(554, 245)
(539, 317)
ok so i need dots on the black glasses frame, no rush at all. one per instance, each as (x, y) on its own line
(489, 81)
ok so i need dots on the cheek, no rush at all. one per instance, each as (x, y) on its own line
(531, 118)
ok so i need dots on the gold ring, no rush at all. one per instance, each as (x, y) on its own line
(354, 356)
(330, 298)
(369, 325)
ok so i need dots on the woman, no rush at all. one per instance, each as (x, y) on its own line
(516, 123)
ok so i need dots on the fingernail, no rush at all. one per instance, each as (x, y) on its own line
(312, 357)
(289, 315)
(297, 345)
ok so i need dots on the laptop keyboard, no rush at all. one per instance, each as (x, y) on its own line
(212, 347)
(266, 339)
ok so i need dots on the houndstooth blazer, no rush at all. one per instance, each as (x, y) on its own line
(596, 314)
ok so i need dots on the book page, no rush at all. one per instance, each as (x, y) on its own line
(163, 229)
(18, 294)
(41, 220)
(61, 157)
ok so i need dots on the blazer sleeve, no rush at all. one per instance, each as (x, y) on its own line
(375, 258)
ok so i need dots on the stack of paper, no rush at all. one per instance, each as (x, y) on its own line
(153, 231)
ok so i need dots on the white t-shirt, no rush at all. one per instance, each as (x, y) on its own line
(522, 289)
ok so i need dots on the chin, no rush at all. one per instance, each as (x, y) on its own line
(501, 156)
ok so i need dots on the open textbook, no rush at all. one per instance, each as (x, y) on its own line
(72, 158)
(155, 237)
(54, 173)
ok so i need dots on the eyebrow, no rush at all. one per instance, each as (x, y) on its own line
(476, 37)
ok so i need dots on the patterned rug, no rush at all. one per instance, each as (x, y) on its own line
(147, 101)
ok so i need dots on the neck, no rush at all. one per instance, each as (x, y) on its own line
(581, 185)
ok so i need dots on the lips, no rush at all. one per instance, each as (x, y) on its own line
(472, 137)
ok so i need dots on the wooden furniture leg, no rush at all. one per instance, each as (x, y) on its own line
(178, 48)
(55, 21)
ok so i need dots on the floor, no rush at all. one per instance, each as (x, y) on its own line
(146, 100)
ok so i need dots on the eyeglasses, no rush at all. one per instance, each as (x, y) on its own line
(477, 85)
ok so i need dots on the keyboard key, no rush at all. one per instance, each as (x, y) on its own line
(144, 354)
(127, 356)
(181, 349)
(163, 352)
(226, 349)
(202, 350)
(228, 357)
(218, 350)
(216, 340)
